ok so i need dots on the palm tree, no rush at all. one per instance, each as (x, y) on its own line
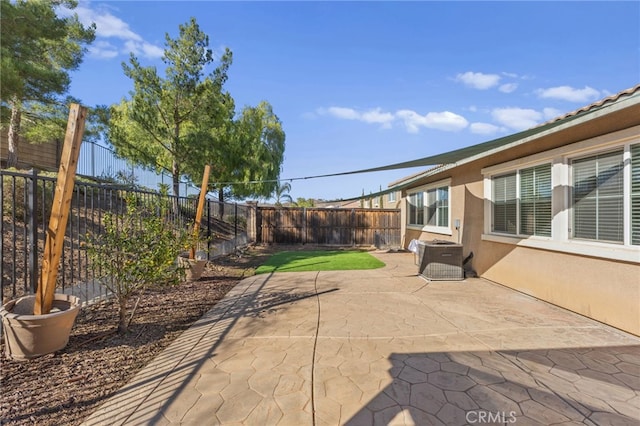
(282, 193)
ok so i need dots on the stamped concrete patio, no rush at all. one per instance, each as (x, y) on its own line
(385, 347)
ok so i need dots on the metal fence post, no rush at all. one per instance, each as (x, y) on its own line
(208, 228)
(33, 229)
(93, 159)
(1, 239)
(235, 220)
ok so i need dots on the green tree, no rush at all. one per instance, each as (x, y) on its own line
(38, 50)
(282, 193)
(255, 152)
(44, 122)
(305, 202)
(170, 122)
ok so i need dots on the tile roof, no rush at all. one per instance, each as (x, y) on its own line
(610, 99)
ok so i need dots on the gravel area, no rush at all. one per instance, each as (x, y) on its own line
(65, 387)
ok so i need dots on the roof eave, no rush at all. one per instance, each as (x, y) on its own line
(523, 137)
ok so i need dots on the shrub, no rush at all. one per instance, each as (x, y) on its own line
(137, 250)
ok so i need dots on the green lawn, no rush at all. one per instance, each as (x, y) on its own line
(319, 260)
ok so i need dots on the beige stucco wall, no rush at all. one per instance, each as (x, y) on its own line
(466, 203)
(603, 289)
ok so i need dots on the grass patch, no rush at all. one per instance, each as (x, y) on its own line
(319, 260)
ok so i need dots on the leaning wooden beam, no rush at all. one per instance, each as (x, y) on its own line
(203, 193)
(54, 239)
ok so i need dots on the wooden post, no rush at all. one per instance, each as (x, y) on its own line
(203, 193)
(54, 239)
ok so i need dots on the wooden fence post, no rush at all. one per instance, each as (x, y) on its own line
(54, 239)
(203, 193)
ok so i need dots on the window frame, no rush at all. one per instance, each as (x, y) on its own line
(517, 202)
(561, 174)
(571, 161)
(425, 226)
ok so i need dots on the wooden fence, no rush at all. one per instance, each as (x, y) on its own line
(44, 156)
(341, 227)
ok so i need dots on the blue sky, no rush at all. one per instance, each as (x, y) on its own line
(365, 84)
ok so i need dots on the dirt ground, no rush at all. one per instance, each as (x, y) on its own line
(65, 387)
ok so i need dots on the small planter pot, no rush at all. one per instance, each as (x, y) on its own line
(193, 268)
(29, 336)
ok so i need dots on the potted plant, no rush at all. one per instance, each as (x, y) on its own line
(29, 336)
(194, 259)
(39, 324)
(136, 251)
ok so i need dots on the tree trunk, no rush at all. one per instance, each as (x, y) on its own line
(175, 172)
(14, 133)
(221, 202)
(122, 320)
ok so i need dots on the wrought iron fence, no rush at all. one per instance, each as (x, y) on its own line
(102, 162)
(25, 205)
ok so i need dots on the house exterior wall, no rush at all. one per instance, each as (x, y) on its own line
(604, 288)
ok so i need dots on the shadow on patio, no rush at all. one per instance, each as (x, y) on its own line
(583, 385)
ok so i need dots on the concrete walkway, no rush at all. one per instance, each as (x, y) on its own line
(385, 347)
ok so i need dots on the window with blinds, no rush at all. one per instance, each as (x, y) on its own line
(598, 197)
(416, 208)
(602, 204)
(505, 203)
(522, 202)
(438, 206)
(535, 201)
(635, 194)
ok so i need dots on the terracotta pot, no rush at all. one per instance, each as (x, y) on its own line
(28, 336)
(193, 268)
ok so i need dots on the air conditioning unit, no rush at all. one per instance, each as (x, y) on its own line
(440, 260)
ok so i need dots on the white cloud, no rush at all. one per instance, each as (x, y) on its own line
(377, 116)
(110, 28)
(103, 50)
(107, 25)
(517, 118)
(412, 120)
(344, 113)
(484, 128)
(508, 87)
(568, 93)
(550, 113)
(446, 121)
(143, 48)
(478, 80)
